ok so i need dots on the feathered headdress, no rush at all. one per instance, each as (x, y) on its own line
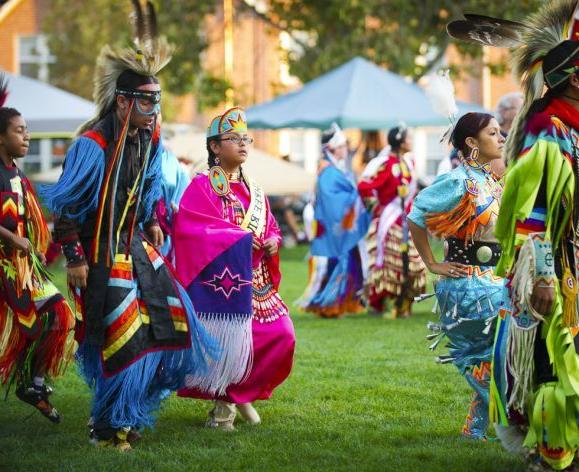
(3, 89)
(149, 54)
(530, 40)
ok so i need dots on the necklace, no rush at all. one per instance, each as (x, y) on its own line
(234, 176)
(495, 185)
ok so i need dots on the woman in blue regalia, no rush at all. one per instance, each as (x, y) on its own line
(338, 256)
(461, 207)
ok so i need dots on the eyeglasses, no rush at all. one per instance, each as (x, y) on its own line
(239, 139)
(147, 107)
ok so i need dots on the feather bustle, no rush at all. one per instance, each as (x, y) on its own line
(546, 29)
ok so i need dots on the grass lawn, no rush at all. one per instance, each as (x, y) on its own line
(365, 394)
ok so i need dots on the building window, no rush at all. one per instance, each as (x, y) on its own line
(34, 57)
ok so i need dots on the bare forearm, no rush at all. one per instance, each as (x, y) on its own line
(420, 238)
(6, 235)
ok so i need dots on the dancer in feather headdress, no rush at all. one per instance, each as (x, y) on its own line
(36, 323)
(139, 335)
(536, 366)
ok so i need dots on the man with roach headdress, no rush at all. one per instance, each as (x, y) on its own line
(535, 374)
(139, 335)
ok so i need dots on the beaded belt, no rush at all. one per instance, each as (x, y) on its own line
(478, 253)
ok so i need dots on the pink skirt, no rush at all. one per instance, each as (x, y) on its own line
(273, 354)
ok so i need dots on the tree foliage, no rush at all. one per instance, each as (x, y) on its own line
(76, 32)
(406, 36)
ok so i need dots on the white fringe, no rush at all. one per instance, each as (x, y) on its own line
(318, 275)
(511, 439)
(521, 365)
(521, 342)
(236, 358)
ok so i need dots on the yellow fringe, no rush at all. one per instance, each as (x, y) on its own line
(40, 236)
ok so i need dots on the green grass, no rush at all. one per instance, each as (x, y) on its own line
(365, 394)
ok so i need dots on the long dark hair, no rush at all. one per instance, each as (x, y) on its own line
(468, 126)
(210, 154)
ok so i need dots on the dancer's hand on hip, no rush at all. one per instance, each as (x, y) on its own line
(77, 276)
(454, 270)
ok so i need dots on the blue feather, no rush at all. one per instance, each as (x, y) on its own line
(153, 187)
(76, 194)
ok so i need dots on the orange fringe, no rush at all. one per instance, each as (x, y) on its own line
(24, 273)
(40, 233)
(55, 350)
(12, 352)
(458, 222)
(350, 305)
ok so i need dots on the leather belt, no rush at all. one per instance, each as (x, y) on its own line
(478, 253)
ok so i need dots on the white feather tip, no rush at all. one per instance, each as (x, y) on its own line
(440, 92)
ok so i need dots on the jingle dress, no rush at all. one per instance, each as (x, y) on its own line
(388, 232)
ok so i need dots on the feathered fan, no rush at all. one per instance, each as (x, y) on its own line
(487, 31)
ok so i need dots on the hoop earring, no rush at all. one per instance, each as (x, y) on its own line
(473, 156)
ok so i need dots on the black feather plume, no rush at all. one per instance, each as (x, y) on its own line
(482, 19)
(485, 33)
(140, 27)
(152, 20)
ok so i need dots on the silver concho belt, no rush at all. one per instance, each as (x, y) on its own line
(479, 253)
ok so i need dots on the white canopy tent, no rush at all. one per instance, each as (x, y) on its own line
(276, 176)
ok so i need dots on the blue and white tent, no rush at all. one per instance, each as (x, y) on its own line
(47, 110)
(357, 94)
